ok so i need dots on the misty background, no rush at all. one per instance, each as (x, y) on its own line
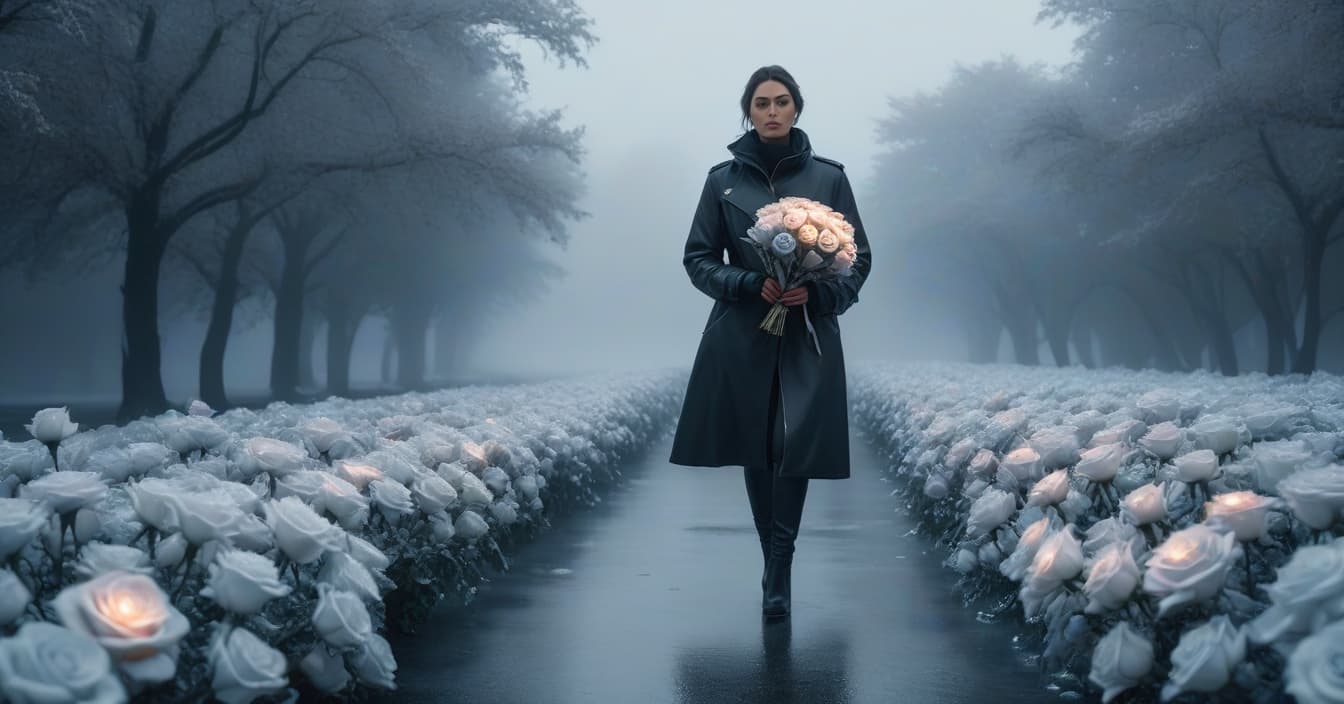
(470, 191)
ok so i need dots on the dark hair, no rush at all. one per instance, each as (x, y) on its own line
(769, 73)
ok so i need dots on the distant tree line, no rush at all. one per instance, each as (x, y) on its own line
(297, 161)
(1180, 181)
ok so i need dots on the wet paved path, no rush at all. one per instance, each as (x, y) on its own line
(654, 596)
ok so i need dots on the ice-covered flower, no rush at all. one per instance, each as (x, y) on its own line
(1146, 504)
(1314, 674)
(20, 521)
(367, 553)
(1162, 440)
(1316, 496)
(1197, 466)
(391, 497)
(1243, 512)
(1191, 566)
(1024, 463)
(326, 670)
(187, 434)
(374, 664)
(783, 244)
(1111, 578)
(1121, 660)
(473, 490)
(97, 558)
(45, 663)
(66, 492)
(299, 532)
(1107, 531)
(200, 408)
(347, 574)
(244, 667)
(342, 500)
(1204, 658)
(243, 582)
(1100, 464)
(130, 616)
(340, 617)
(24, 462)
(1050, 489)
(1015, 567)
(1307, 594)
(990, 511)
(52, 425)
(470, 525)
(203, 516)
(275, 457)
(14, 597)
(1059, 558)
(150, 499)
(496, 479)
(323, 432)
(433, 493)
(505, 512)
(358, 474)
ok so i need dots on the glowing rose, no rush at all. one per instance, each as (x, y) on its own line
(1059, 558)
(1015, 567)
(795, 218)
(1307, 594)
(1316, 496)
(129, 615)
(1204, 658)
(1051, 489)
(1313, 671)
(244, 667)
(1100, 464)
(243, 582)
(52, 425)
(46, 663)
(828, 242)
(357, 474)
(342, 499)
(1024, 463)
(1191, 566)
(1111, 579)
(275, 457)
(1243, 512)
(1120, 661)
(1145, 505)
(807, 236)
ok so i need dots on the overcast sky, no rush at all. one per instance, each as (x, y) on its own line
(659, 100)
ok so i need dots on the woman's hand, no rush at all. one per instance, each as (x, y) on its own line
(772, 292)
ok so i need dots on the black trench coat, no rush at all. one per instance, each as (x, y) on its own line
(725, 412)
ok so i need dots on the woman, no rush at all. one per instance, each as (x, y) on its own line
(769, 404)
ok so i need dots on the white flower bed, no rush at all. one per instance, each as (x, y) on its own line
(1176, 537)
(248, 553)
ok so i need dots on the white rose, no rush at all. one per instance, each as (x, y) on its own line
(46, 664)
(340, 617)
(392, 465)
(496, 479)
(1316, 496)
(1242, 512)
(149, 498)
(1204, 658)
(170, 551)
(433, 493)
(504, 512)
(300, 532)
(374, 664)
(275, 457)
(244, 666)
(357, 474)
(306, 484)
(1191, 566)
(1015, 567)
(205, 515)
(325, 670)
(20, 521)
(1307, 594)
(1146, 504)
(1100, 464)
(14, 597)
(391, 497)
(1111, 579)
(243, 582)
(453, 473)
(1197, 466)
(347, 574)
(1051, 489)
(1059, 558)
(470, 526)
(97, 558)
(66, 492)
(1024, 464)
(442, 526)
(1313, 674)
(366, 553)
(1107, 531)
(250, 533)
(1163, 440)
(26, 461)
(342, 500)
(984, 464)
(129, 615)
(991, 510)
(200, 408)
(187, 434)
(52, 425)
(474, 491)
(527, 486)
(323, 432)
(1120, 661)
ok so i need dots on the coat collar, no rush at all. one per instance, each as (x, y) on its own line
(744, 150)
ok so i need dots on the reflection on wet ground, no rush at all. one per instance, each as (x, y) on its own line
(654, 596)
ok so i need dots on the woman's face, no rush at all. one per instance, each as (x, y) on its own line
(773, 111)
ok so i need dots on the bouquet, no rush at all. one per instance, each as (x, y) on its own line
(801, 240)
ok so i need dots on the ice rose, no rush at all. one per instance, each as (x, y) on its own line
(367, 553)
(356, 473)
(322, 432)
(200, 408)
(347, 574)
(807, 236)
(526, 485)
(250, 533)
(991, 510)
(1307, 594)
(306, 484)
(97, 558)
(129, 615)
(1051, 489)
(14, 597)
(44, 663)
(1204, 658)
(340, 617)
(1313, 673)
(1120, 661)
(66, 492)
(795, 218)
(275, 457)
(20, 521)
(244, 666)
(1059, 558)
(1111, 579)
(24, 462)
(1100, 464)
(504, 512)
(325, 670)
(442, 526)
(342, 499)
(391, 498)
(1163, 440)
(1107, 531)
(473, 490)
(374, 664)
(149, 498)
(496, 479)
(187, 434)
(52, 425)
(203, 516)
(1145, 505)
(783, 244)
(1023, 463)
(1243, 512)
(1197, 466)
(299, 532)
(243, 582)
(433, 493)
(1191, 566)
(1015, 567)
(470, 525)
(1316, 496)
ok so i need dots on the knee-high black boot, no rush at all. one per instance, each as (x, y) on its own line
(789, 496)
(760, 494)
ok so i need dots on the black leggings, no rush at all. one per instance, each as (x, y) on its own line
(776, 502)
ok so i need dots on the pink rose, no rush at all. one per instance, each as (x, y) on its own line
(844, 259)
(795, 218)
(773, 221)
(807, 236)
(828, 242)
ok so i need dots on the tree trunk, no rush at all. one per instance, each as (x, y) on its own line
(221, 317)
(288, 320)
(386, 369)
(1081, 332)
(340, 339)
(1312, 261)
(307, 337)
(412, 328)
(141, 375)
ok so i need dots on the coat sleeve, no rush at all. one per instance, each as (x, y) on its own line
(835, 295)
(703, 256)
